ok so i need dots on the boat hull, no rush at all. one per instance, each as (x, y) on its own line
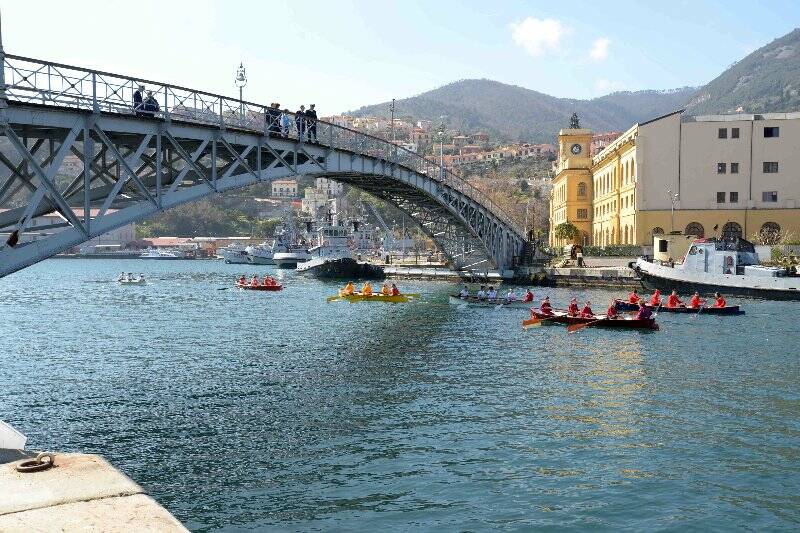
(270, 288)
(474, 302)
(374, 298)
(619, 323)
(668, 279)
(259, 260)
(345, 268)
(727, 310)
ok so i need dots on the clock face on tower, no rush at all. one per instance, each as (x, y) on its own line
(576, 149)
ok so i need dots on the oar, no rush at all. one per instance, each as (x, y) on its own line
(698, 312)
(572, 328)
(223, 288)
(536, 322)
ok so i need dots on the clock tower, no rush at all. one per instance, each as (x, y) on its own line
(571, 200)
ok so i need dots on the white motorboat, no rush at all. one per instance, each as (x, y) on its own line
(233, 254)
(154, 253)
(262, 254)
(291, 258)
(730, 267)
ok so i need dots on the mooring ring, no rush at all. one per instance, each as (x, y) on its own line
(37, 464)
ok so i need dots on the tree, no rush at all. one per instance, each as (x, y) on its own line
(566, 231)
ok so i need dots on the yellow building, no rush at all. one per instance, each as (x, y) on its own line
(715, 175)
(571, 196)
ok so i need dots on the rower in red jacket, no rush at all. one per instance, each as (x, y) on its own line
(545, 308)
(655, 299)
(720, 301)
(696, 301)
(634, 298)
(528, 296)
(673, 300)
(611, 313)
(586, 312)
(572, 309)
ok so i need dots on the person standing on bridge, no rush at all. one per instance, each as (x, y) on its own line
(138, 101)
(311, 120)
(300, 122)
(274, 118)
(286, 123)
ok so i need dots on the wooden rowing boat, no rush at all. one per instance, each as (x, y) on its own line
(501, 302)
(375, 297)
(622, 305)
(600, 321)
(248, 287)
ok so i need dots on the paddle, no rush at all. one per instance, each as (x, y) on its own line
(536, 322)
(572, 328)
(223, 288)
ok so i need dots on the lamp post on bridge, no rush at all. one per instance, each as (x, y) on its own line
(391, 109)
(2, 68)
(241, 81)
(441, 145)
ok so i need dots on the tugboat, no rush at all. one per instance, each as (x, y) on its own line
(331, 257)
(727, 266)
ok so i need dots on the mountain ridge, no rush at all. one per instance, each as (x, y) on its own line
(766, 80)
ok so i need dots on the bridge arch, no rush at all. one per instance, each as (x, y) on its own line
(136, 164)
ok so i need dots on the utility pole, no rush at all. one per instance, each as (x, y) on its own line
(3, 96)
(391, 108)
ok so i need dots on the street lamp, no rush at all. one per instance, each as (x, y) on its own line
(391, 109)
(673, 199)
(241, 81)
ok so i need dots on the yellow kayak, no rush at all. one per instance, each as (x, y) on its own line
(375, 297)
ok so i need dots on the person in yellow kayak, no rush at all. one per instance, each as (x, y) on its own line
(395, 290)
(349, 290)
(385, 290)
(366, 290)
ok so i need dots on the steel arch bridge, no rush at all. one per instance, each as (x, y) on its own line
(188, 144)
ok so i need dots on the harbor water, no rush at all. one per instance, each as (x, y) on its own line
(241, 410)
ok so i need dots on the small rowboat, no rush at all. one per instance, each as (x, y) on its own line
(622, 305)
(131, 281)
(248, 287)
(475, 302)
(375, 297)
(600, 321)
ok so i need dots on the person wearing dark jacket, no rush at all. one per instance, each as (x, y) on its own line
(274, 118)
(150, 105)
(311, 121)
(300, 122)
(138, 100)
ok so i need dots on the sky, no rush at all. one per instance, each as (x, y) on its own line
(342, 54)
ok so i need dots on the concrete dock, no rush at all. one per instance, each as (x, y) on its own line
(79, 493)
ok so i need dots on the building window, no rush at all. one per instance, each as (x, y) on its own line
(734, 168)
(581, 189)
(770, 167)
(734, 197)
(734, 133)
(657, 231)
(770, 233)
(722, 133)
(769, 196)
(720, 197)
(731, 231)
(720, 168)
(582, 214)
(696, 229)
(772, 131)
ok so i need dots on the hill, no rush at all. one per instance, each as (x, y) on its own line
(768, 80)
(514, 113)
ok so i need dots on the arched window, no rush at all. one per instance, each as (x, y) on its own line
(657, 231)
(731, 231)
(696, 229)
(770, 233)
(581, 189)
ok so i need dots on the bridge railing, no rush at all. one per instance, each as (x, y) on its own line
(39, 82)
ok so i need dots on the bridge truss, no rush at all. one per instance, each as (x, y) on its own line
(136, 162)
